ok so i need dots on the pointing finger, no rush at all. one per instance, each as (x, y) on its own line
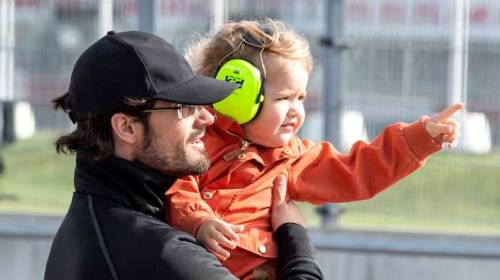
(446, 113)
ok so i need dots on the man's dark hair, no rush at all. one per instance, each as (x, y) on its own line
(95, 134)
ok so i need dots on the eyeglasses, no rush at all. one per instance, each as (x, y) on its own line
(183, 111)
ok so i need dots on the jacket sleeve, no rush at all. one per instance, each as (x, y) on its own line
(295, 250)
(184, 259)
(324, 175)
(187, 210)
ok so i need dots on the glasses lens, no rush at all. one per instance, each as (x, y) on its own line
(189, 110)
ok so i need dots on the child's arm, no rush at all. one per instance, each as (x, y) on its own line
(324, 175)
(188, 212)
(186, 209)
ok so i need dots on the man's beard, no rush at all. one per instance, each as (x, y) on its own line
(171, 158)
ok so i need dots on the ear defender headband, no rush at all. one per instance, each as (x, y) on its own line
(244, 103)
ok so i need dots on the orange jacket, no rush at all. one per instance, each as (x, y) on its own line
(237, 187)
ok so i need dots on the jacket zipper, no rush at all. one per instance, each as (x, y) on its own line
(234, 154)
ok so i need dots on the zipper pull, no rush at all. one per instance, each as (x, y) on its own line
(234, 154)
(244, 145)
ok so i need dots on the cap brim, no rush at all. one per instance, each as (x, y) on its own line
(200, 90)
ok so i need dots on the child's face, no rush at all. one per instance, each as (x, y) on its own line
(282, 112)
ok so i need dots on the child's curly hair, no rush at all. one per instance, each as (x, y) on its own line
(207, 53)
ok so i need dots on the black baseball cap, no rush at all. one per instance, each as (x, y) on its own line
(136, 64)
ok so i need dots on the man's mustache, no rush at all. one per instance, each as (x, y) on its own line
(196, 134)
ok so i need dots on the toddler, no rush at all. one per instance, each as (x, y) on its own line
(253, 140)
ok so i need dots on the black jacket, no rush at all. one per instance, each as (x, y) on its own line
(115, 229)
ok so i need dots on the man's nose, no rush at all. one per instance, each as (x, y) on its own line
(204, 118)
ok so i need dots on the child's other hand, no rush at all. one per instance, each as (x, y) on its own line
(443, 128)
(215, 232)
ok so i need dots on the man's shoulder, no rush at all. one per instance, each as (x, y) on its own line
(115, 218)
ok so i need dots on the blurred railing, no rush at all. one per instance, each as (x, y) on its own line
(342, 254)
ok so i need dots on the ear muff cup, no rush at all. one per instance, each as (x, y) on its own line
(244, 103)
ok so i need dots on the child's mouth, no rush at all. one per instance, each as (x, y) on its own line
(288, 126)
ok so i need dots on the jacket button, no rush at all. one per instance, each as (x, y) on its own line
(242, 156)
(208, 195)
(262, 249)
(287, 151)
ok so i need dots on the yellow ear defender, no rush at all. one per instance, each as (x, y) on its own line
(244, 103)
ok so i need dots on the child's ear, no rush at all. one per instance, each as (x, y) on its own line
(126, 128)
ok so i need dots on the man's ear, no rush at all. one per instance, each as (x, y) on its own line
(126, 129)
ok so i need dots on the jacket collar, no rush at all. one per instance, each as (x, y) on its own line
(124, 182)
(227, 124)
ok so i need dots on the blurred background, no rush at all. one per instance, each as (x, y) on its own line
(376, 62)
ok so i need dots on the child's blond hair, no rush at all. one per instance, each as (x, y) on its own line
(276, 38)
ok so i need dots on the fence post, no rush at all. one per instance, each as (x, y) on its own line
(147, 15)
(334, 44)
(105, 16)
(7, 44)
(219, 14)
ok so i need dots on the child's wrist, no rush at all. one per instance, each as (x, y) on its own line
(419, 140)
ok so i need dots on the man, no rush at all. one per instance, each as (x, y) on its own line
(137, 106)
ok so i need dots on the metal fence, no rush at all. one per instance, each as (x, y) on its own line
(397, 63)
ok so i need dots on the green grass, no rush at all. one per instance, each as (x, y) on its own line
(453, 192)
(36, 179)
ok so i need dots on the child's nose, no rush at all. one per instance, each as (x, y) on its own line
(295, 107)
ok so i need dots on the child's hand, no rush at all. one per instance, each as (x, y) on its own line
(443, 128)
(216, 232)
